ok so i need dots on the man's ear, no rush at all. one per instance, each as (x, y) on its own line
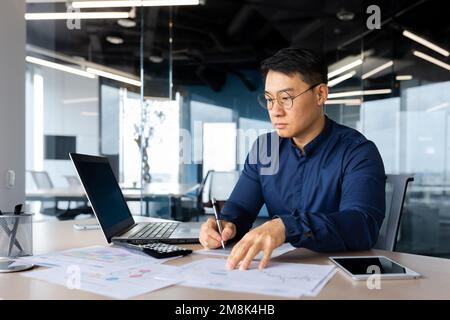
(322, 94)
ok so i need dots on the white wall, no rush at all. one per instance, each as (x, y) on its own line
(12, 100)
(70, 108)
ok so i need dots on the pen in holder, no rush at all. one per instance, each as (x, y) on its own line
(16, 234)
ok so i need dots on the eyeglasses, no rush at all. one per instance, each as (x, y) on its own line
(284, 99)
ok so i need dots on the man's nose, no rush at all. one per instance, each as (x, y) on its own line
(277, 109)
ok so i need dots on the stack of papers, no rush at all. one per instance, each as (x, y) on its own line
(120, 273)
(110, 271)
(120, 284)
(281, 279)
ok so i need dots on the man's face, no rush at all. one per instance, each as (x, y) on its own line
(306, 108)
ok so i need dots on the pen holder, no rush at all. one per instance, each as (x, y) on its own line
(16, 235)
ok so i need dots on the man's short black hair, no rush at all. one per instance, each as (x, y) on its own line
(310, 66)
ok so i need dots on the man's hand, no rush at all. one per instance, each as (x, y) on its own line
(263, 238)
(210, 237)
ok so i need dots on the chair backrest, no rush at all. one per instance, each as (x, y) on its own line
(396, 185)
(42, 179)
(219, 185)
(73, 181)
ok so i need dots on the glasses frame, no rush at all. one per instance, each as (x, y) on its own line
(263, 102)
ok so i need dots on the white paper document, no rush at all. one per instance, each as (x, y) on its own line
(284, 248)
(120, 284)
(95, 257)
(280, 279)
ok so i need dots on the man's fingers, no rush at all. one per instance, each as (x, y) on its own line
(210, 228)
(251, 253)
(265, 260)
(209, 242)
(228, 232)
(237, 254)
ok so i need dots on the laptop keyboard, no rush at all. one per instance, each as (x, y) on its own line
(155, 230)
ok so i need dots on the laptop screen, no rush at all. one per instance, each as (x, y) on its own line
(104, 193)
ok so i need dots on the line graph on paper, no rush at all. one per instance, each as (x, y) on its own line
(289, 279)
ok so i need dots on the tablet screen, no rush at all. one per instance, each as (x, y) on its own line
(362, 265)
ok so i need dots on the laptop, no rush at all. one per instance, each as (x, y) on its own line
(113, 214)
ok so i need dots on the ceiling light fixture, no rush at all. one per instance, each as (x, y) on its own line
(134, 3)
(432, 60)
(358, 93)
(377, 69)
(345, 15)
(438, 107)
(126, 23)
(344, 101)
(114, 76)
(76, 15)
(403, 77)
(340, 79)
(345, 68)
(58, 66)
(426, 43)
(114, 40)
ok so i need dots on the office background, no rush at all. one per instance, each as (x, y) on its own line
(194, 70)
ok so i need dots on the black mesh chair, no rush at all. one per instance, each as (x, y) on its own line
(396, 185)
(217, 184)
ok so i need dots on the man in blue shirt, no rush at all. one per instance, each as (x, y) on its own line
(324, 186)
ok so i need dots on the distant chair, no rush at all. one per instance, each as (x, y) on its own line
(73, 181)
(41, 179)
(217, 184)
(396, 186)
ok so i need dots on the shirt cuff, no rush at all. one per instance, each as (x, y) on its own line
(295, 231)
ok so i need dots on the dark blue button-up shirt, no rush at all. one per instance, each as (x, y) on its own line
(331, 197)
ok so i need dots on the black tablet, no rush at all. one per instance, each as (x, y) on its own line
(362, 267)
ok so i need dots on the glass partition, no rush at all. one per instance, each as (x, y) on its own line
(152, 89)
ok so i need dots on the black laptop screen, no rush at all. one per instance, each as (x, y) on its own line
(104, 194)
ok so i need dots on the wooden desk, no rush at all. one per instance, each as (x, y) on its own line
(60, 235)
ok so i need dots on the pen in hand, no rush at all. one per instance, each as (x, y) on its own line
(216, 216)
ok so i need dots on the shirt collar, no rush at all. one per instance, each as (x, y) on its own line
(313, 144)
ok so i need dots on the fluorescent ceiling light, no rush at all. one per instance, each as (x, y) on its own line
(80, 100)
(133, 3)
(426, 43)
(358, 93)
(114, 40)
(344, 77)
(89, 114)
(344, 101)
(432, 60)
(345, 68)
(58, 66)
(114, 76)
(404, 77)
(76, 15)
(126, 23)
(377, 69)
(438, 107)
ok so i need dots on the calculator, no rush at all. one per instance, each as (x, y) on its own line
(164, 250)
(157, 250)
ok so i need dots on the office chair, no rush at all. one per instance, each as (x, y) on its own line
(73, 181)
(217, 184)
(396, 186)
(42, 181)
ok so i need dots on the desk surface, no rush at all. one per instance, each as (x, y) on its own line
(153, 189)
(60, 235)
